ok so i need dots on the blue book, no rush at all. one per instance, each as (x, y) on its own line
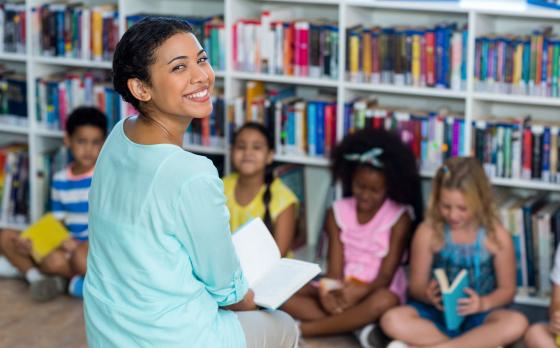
(450, 295)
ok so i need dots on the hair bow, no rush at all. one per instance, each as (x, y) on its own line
(370, 157)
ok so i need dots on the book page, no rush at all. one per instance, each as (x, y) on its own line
(285, 278)
(256, 249)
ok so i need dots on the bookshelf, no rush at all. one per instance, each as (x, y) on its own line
(474, 104)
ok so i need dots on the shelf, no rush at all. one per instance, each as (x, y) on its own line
(15, 57)
(220, 73)
(428, 6)
(82, 63)
(532, 301)
(515, 183)
(9, 127)
(52, 133)
(207, 150)
(421, 91)
(312, 2)
(294, 80)
(12, 226)
(308, 160)
(520, 10)
(517, 99)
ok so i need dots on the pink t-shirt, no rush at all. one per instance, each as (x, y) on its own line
(366, 245)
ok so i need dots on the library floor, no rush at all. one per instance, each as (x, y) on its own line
(59, 323)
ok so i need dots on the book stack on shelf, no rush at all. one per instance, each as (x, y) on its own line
(277, 44)
(13, 97)
(518, 64)
(14, 184)
(301, 126)
(408, 56)
(12, 27)
(57, 95)
(75, 31)
(433, 136)
(534, 223)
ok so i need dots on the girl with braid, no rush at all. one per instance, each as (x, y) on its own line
(254, 192)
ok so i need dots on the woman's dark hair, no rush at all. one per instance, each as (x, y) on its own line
(135, 52)
(398, 166)
(86, 116)
(268, 174)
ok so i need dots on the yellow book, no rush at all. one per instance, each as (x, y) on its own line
(46, 235)
(558, 340)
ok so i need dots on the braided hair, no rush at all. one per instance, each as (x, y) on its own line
(269, 173)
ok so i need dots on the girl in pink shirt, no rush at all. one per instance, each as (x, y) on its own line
(368, 231)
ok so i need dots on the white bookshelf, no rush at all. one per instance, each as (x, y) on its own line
(474, 104)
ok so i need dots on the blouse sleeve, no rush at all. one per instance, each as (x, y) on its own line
(204, 231)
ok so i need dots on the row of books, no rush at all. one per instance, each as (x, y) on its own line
(12, 27)
(210, 31)
(518, 64)
(48, 164)
(208, 131)
(301, 126)
(14, 184)
(408, 56)
(275, 45)
(57, 95)
(518, 149)
(534, 223)
(75, 30)
(13, 93)
(433, 136)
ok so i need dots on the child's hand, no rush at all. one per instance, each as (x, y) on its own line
(69, 245)
(471, 304)
(433, 294)
(23, 246)
(330, 300)
(554, 325)
(352, 293)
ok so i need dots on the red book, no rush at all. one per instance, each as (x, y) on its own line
(526, 153)
(234, 44)
(430, 58)
(302, 48)
(330, 127)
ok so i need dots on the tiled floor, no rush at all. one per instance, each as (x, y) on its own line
(59, 323)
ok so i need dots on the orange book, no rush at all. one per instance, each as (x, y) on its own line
(366, 54)
(253, 91)
(289, 49)
(97, 33)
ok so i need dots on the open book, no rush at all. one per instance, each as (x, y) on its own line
(450, 294)
(46, 235)
(272, 278)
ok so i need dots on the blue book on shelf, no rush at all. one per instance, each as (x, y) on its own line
(450, 295)
(311, 128)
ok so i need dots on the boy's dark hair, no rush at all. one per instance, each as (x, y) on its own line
(398, 166)
(86, 116)
(135, 52)
(268, 174)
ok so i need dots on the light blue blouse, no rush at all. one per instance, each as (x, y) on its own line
(161, 261)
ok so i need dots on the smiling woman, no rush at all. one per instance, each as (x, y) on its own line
(162, 271)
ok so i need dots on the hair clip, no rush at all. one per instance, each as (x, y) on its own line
(370, 157)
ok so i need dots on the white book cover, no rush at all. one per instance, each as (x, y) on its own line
(272, 278)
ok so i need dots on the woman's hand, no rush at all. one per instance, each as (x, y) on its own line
(433, 294)
(247, 304)
(23, 246)
(470, 305)
(554, 325)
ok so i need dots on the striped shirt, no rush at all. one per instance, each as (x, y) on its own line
(69, 201)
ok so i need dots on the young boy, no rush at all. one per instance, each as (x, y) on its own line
(544, 335)
(86, 130)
